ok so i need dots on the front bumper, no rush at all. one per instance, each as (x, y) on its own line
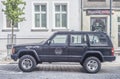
(109, 58)
(14, 57)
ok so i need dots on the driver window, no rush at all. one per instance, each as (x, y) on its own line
(59, 39)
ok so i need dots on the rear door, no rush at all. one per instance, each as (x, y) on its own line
(77, 46)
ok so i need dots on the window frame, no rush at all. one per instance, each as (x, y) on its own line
(99, 40)
(116, 0)
(118, 19)
(104, 19)
(7, 20)
(118, 35)
(59, 43)
(54, 12)
(33, 15)
(78, 44)
(5, 28)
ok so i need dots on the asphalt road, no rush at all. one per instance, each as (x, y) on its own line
(60, 71)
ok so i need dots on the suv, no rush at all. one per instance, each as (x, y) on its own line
(87, 48)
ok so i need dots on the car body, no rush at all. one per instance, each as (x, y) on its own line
(87, 48)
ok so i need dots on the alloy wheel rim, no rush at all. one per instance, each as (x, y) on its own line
(92, 65)
(27, 63)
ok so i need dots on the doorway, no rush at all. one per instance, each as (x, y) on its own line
(98, 24)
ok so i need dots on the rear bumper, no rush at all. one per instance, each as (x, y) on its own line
(14, 57)
(109, 58)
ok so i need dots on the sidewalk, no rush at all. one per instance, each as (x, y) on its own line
(3, 54)
(4, 59)
(113, 63)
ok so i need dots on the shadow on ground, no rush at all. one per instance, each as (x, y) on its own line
(46, 67)
(60, 68)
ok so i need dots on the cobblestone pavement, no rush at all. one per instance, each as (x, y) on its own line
(59, 71)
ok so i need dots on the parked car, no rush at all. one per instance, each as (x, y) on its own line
(89, 49)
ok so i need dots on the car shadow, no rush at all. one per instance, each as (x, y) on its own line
(60, 68)
(44, 67)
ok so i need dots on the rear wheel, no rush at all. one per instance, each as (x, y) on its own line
(27, 63)
(92, 64)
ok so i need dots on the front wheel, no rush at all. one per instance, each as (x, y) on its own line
(92, 64)
(27, 63)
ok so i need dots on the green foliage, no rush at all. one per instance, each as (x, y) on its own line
(14, 9)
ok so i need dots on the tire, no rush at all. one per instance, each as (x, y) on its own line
(81, 63)
(92, 65)
(27, 63)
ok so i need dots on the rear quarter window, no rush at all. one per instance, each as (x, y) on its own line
(98, 40)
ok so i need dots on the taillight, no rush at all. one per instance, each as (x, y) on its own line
(13, 50)
(112, 51)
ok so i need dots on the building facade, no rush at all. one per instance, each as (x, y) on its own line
(96, 17)
(44, 17)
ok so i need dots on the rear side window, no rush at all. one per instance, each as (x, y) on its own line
(77, 39)
(98, 40)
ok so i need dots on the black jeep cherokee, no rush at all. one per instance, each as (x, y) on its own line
(87, 48)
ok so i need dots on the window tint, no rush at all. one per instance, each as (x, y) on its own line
(97, 40)
(59, 39)
(77, 39)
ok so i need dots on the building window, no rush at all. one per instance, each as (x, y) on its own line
(97, 0)
(116, 0)
(40, 15)
(118, 35)
(8, 24)
(118, 19)
(61, 15)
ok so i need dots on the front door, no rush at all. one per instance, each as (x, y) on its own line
(77, 46)
(57, 49)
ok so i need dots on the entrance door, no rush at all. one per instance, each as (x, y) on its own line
(98, 24)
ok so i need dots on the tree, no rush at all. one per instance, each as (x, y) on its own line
(14, 9)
